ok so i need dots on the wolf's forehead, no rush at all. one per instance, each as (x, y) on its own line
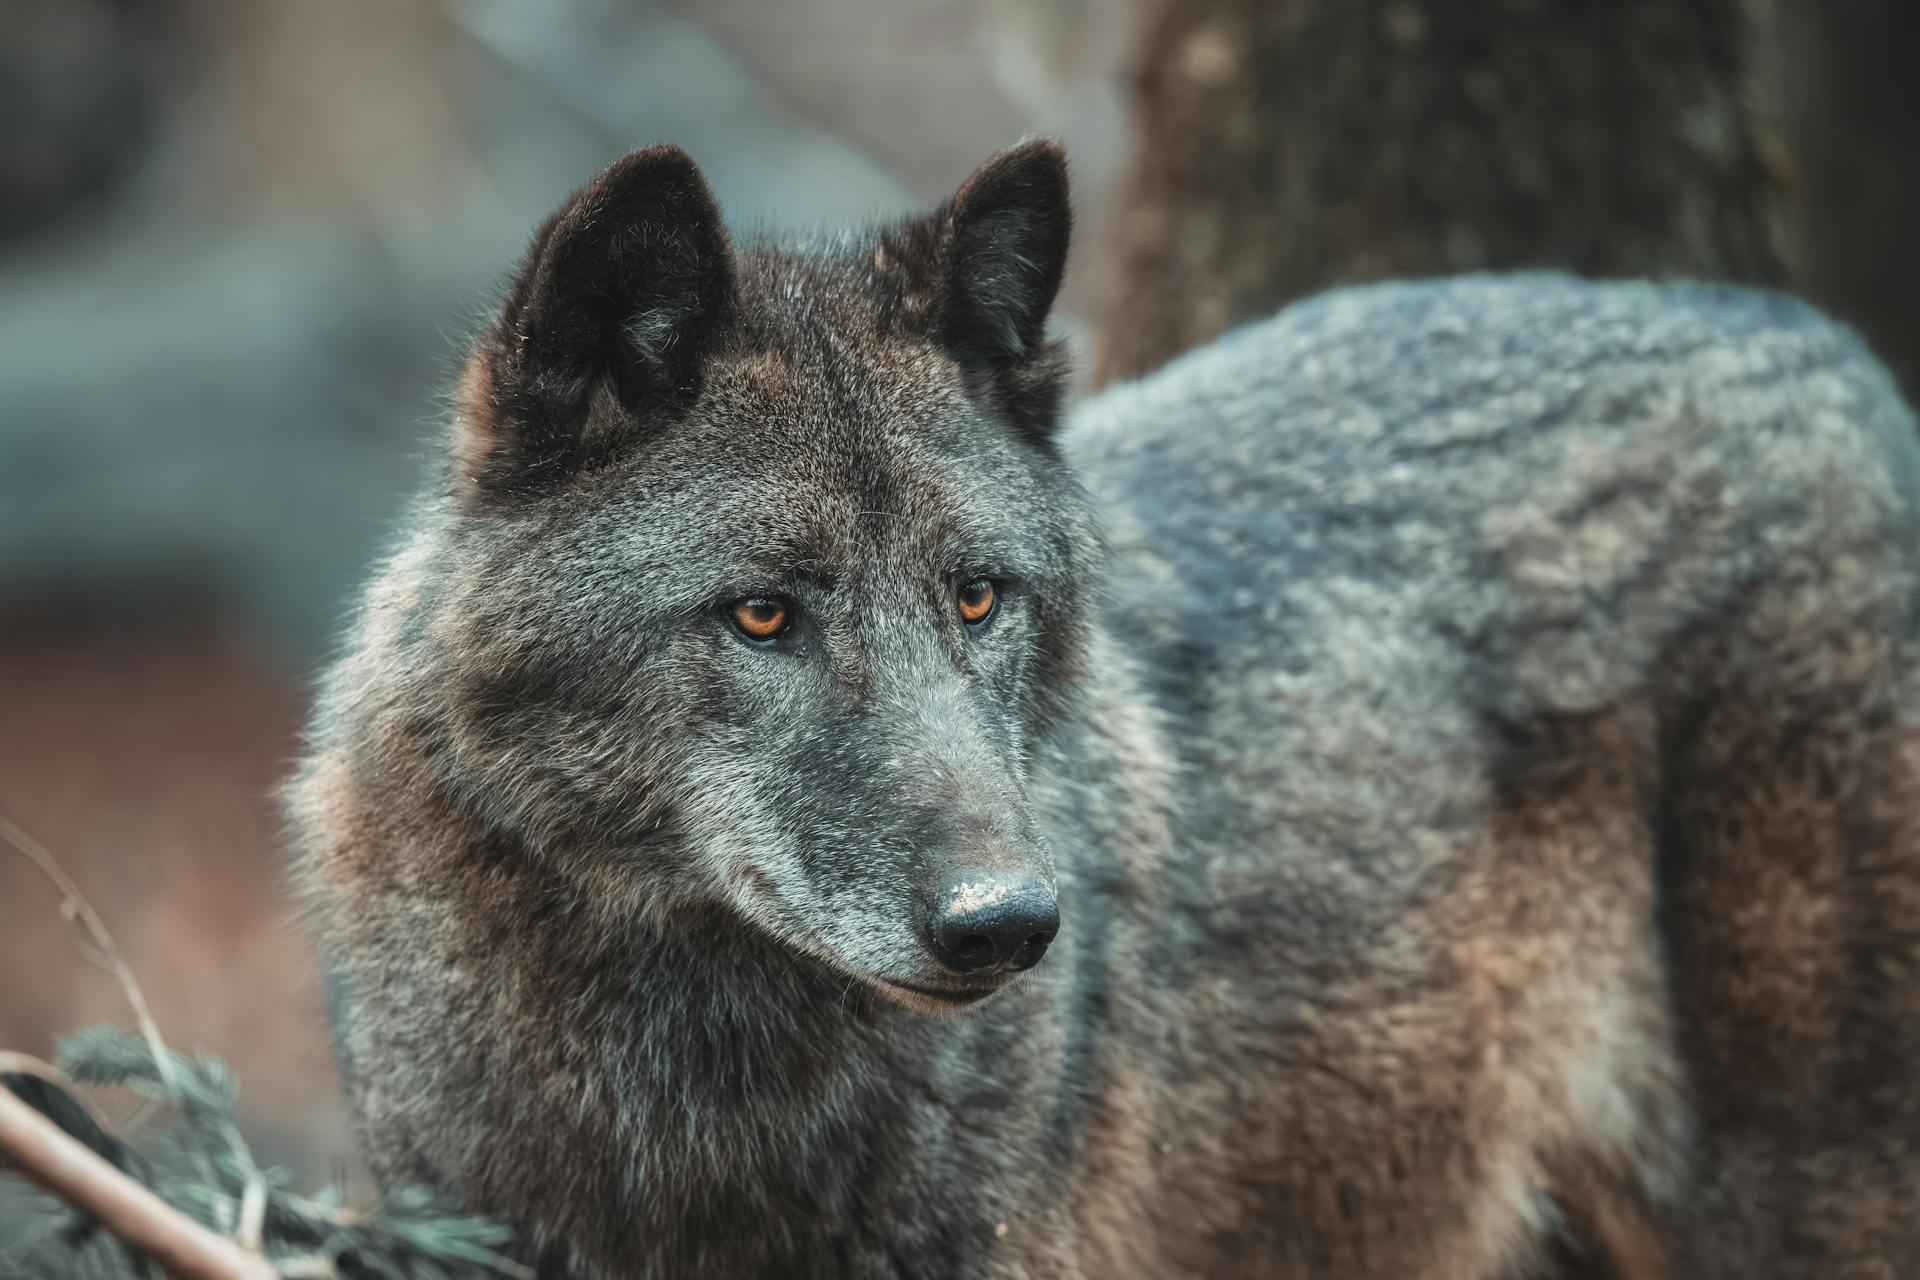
(851, 411)
(824, 474)
(836, 367)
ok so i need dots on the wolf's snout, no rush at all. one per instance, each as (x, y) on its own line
(986, 920)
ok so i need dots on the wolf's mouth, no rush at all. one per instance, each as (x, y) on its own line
(952, 997)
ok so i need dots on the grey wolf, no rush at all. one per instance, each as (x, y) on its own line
(1425, 786)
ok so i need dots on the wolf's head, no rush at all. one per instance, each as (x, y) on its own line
(762, 580)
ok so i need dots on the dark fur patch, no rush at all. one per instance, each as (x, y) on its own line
(625, 287)
(991, 261)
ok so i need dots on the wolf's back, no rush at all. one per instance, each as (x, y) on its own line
(1557, 457)
(1544, 657)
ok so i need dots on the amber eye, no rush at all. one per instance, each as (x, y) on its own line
(976, 601)
(760, 618)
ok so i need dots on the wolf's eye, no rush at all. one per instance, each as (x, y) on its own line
(976, 602)
(760, 618)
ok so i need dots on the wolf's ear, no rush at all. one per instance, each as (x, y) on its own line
(1009, 225)
(608, 323)
(981, 274)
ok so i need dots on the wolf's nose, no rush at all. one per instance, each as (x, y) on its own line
(984, 921)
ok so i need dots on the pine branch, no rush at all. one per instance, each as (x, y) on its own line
(72, 1173)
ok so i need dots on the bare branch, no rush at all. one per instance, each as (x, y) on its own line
(68, 1170)
(253, 1212)
(308, 1268)
(25, 1064)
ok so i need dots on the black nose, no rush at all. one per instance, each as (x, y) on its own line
(984, 920)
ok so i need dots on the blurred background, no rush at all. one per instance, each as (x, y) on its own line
(242, 243)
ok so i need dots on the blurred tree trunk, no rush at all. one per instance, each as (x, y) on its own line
(1842, 71)
(1284, 146)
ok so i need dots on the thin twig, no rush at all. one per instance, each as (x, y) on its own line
(25, 1064)
(69, 1170)
(75, 906)
(253, 1212)
(106, 953)
(250, 1213)
(311, 1267)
